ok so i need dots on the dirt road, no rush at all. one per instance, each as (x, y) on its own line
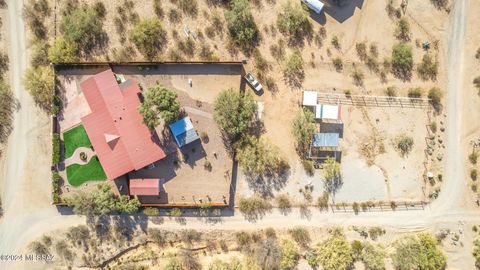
(26, 196)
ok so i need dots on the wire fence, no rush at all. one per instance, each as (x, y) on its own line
(372, 101)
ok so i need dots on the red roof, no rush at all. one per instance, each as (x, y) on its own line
(144, 186)
(115, 127)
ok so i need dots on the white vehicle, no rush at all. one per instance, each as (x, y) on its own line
(314, 5)
(253, 82)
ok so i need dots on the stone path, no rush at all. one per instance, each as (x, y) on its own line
(75, 158)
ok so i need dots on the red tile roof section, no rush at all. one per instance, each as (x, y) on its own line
(114, 113)
(145, 186)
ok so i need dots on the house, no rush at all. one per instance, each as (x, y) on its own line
(122, 142)
(183, 131)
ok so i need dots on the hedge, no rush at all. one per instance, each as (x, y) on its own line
(55, 148)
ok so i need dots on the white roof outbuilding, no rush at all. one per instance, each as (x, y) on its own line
(310, 98)
(314, 5)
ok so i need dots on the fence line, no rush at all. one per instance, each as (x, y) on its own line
(372, 101)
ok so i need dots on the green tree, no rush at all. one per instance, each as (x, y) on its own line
(290, 255)
(332, 174)
(240, 23)
(257, 156)
(149, 37)
(335, 253)
(234, 112)
(418, 251)
(268, 254)
(39, 82)
(293, 20)
(404, 144)
(373, 256)
(159, 102)
(402, 60)
(254, 206)
(303, 128)
(126, 205)
(63, 51)
(300, 235)
(428, 68)
(83, 27)
(435, 96)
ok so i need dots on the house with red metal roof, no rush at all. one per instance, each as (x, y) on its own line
(121, 140)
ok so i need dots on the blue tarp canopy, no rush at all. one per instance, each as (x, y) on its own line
(325, 140)
(183, 131)
(314, 5)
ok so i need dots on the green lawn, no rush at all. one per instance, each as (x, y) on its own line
(79, 174)
(74, 138)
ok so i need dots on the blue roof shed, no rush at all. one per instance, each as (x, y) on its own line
(183, 131)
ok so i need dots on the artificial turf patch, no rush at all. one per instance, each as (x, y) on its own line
(79, 174)
(75, 138)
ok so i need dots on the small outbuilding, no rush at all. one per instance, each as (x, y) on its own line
(144, 187)
(327, 112)
(324, 145)
(310, 98)
(183, 131)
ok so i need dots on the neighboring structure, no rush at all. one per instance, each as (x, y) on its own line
(314, 5)
(144, 187)
(115, 127)
(323, 145)
(183, 131)
(321, 111)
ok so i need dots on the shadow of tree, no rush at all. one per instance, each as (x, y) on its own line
(273, 179)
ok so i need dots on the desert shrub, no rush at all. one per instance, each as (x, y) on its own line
(278, 50)
(375, 232)
(257, 156)
(402, 32)
(189, 260)
(63, 51)
(267, 255)
(361, 50)
(293, 20)
(415, 92)
(337, 63)
(283, 203)
(473, 174)
(34, 13)
(151, 211)
(322, 201)
(173, 264)
(391, 91)
(240, 23)
(373, 256)
(99, 201)
(234, 112)
(473, 157)
(39, 82)
(476, 253)
(433, 126)
(308, 167)
(175, 212)
(158, 9)
(124, 204)
(404, 144)
(428, 68)
(149, 37)
(233, 264)
(418, 251)
(402, 60)
(39, 248)
(39, 55)
(476, 82)
(293, 67)
(336, 42)
(7, 105)
(357, 75)
(331, 173)
(253, 206)
(435, 96)
(174, 16)
(300, 235)
(303, 128)
(189, 7)
(290, 255)
(335, 253)
(186, 46)
(83, 27)
(206, 53)
(159, 101)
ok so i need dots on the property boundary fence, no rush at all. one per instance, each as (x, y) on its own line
(378, 206)
(372, 101)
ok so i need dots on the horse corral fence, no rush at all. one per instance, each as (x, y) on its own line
(372, 101)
